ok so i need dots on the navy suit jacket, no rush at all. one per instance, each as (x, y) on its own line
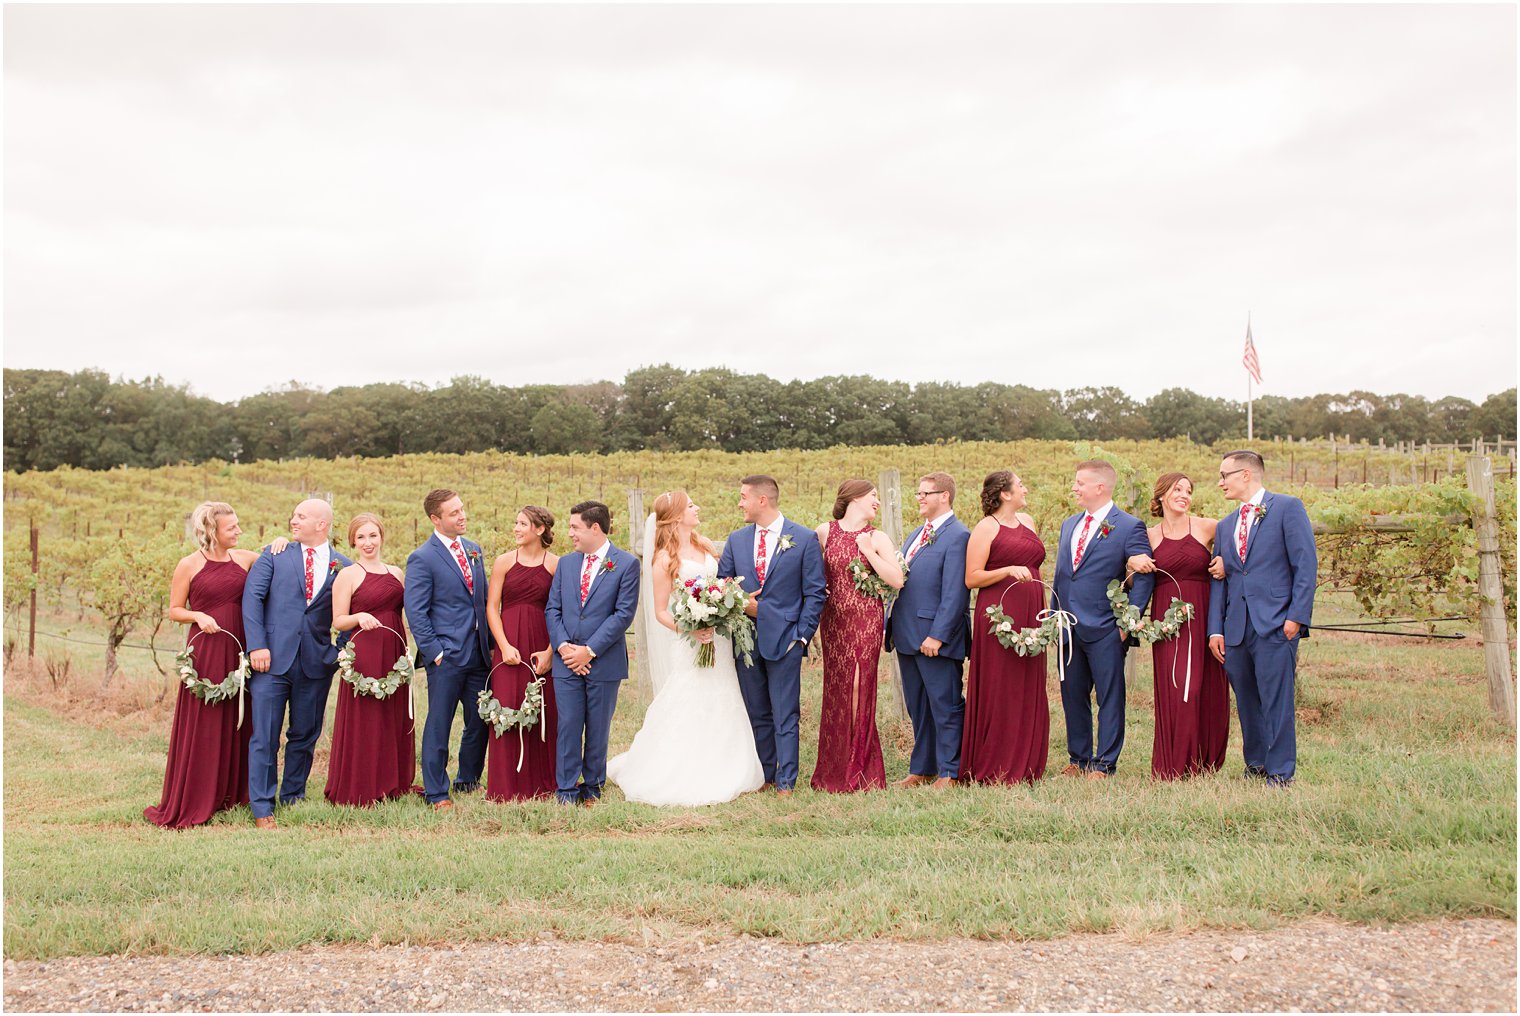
(443, 612)
(277, 617)
(1276, 581)
(934, 600)
(791, 604)
(601, 623)
(1084, 592)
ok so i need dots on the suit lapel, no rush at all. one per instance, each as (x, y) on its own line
(449, 560)
(603, 576)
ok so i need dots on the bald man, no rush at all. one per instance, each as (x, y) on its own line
(287, 620)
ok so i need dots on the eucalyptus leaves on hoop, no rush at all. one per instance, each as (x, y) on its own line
(1052, 623)
(1131, 621)
(502, 719)
(380, 688)
(208, 692)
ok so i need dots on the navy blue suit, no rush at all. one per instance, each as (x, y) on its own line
(1096, 660)
(786, 617)
(1275, 583)
(585, 703)
(448, 617)
(933, 604)
(302, 661)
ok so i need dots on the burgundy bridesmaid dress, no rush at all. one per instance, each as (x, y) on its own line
(1006, 737)
(524, 593)
(1191, 735)
(849, 749)
(208, 753)
(374, 747)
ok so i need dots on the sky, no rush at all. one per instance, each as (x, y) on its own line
(235, 197)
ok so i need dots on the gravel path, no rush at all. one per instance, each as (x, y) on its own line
(1316, 965)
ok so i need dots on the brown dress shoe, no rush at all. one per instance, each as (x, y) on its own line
(590, 802)
(912, 780)
(944, 781)
(267, 822)
(783, 793)
(1097, 774)
(1070, 769)
(444, 805)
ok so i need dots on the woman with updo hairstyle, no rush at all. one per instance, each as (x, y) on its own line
(849, 748)
(374, 746)
(1192, 713)
(515, 602)
(1006, 735)
(207, 768)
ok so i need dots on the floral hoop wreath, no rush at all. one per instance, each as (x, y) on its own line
(1053, 622)
(501, 719)
(1131, 621)
(232, 685)
(380, 688)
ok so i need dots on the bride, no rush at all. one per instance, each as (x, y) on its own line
(696, 746)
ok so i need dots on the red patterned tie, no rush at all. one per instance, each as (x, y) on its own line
(464, 566)
(586, 577)
(1082, 543)
(311, 557)
(1244, 524)
(760, 560)
(922, 542)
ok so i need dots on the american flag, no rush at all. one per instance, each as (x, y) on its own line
(1252, 365)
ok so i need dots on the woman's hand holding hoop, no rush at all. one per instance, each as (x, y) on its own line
(1020, 573)
(1141, 563)
(207, 623)
(367, 622)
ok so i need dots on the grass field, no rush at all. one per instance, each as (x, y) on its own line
(1405, 808)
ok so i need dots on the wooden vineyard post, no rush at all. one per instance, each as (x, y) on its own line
(31, 627)
(640, 633)
(1501, 689)
(889, 487)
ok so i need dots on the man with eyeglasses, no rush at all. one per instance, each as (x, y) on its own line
(1260, 610)
(1094, 549)
(928, 628)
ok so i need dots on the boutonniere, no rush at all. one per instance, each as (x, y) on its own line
(474, 556)
(784, 544)
(1261, 511)
(332, 566)
(1106, 528)
(608, 565)
(930, 535)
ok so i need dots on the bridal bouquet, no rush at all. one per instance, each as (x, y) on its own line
(713, 603)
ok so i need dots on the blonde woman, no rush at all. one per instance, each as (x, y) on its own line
(207, 769)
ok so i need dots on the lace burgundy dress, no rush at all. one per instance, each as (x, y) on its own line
(849, 750)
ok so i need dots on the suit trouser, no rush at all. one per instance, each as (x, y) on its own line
(584, 709)
(268, 695)
(1262, 671)
(772, 691)
(450, 686)
(1095, 666)
(937, 707)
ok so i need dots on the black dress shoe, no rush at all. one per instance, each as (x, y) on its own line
(466, 788)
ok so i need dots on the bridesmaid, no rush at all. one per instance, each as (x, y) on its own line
(1006, 737)
(207, 770)
(520, 581)
(1191, 735)
(374, 749)
(849, 750)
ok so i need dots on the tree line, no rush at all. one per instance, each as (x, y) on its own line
(90, 420)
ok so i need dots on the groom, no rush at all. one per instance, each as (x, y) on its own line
(1095, 547)
(780, 565)
(591, 605)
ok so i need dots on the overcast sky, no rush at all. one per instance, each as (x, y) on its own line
(235, 197)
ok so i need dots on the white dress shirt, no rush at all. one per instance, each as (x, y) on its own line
(318, 567)
(1098, 515)
(1248, 518)
(772, 541)
(933, 525)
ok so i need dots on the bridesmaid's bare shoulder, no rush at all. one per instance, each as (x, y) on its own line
(986, 527)
(397, 572)
(551, 561)
(1027, 520)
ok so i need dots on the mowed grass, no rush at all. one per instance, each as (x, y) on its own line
(1405, 808)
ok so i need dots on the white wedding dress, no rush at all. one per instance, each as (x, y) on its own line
(696, 746)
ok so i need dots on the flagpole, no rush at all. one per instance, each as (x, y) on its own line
(1250, 421)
